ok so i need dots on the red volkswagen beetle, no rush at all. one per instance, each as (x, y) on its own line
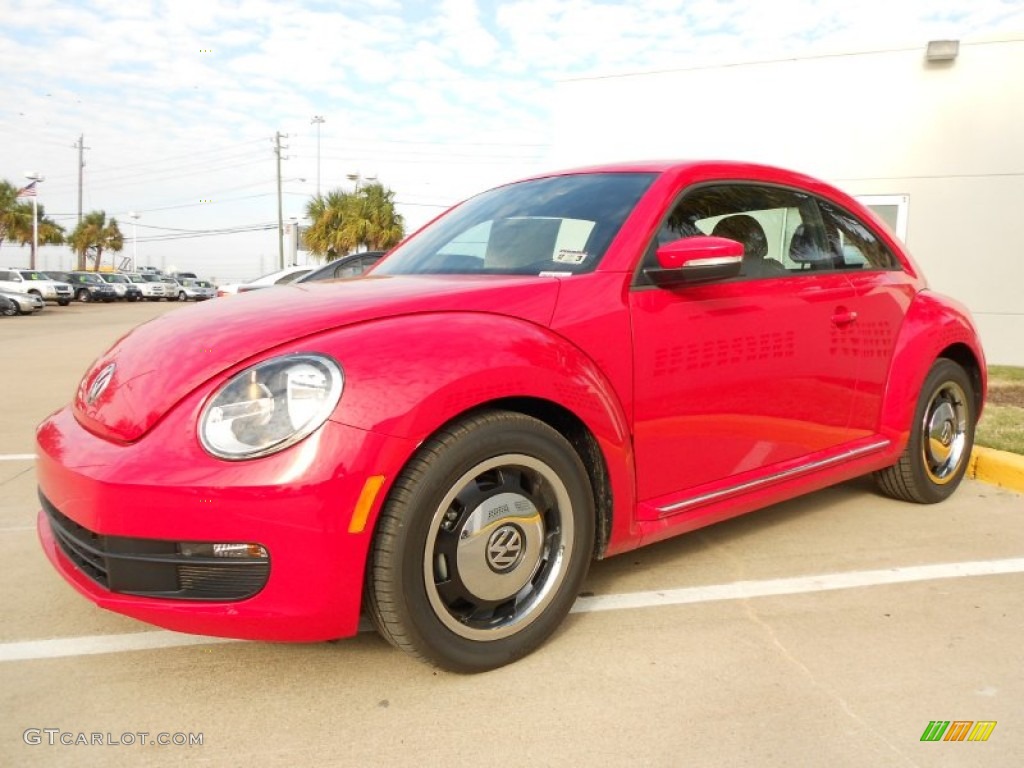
(557, 370)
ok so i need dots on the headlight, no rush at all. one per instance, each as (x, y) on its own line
(266, 408)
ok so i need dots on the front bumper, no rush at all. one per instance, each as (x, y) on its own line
(164, 490)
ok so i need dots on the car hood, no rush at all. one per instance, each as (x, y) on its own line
(156, 365)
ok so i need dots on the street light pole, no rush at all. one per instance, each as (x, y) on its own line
(318, 120)
(135, 240)
(35, 178)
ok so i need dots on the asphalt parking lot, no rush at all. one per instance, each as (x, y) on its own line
(828, 631)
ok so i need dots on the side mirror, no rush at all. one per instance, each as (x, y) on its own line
(697, 259)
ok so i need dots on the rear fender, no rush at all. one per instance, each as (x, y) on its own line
(935, 326)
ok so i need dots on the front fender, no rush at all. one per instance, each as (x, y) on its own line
(934, 326)
(408, 376)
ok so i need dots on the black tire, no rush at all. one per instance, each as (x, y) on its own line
(941, 438)
(83, 295)
(64, 302)
(502, 504)
(182, 296)
(10, 309)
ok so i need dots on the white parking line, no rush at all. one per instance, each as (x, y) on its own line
(64, 647)
(798, 585)
(88, 646)
(17, 457)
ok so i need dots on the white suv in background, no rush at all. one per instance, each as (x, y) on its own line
(35, 282)
(152, 290)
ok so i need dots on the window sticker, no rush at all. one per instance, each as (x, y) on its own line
(565, 256)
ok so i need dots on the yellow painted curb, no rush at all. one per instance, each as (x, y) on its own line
(1000, 468)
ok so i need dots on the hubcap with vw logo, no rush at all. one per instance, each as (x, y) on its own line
(944, 432)
(496, 551)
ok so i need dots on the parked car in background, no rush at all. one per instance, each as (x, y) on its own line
(151, 291)
(89, 286)
(34, 281)
(152, 285)
(196, 290)
(27, 303)
(172, 288)
(560, 369)
(179, 275)
(352, 265)
(125, 288)
(8, 307)
(280, 277)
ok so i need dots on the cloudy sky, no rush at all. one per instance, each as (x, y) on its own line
(179, 100)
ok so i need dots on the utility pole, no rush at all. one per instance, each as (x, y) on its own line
(280, 212)
(80, 146)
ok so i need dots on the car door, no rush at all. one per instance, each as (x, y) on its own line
(882, 294)
(739, 379)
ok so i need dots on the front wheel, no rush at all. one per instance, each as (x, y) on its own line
(182, 296)
(482, 544)
(64, 302)
(941, 438)
(83, 295)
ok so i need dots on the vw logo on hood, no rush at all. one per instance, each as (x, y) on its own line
(99, 384)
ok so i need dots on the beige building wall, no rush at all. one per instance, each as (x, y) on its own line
(948, 135)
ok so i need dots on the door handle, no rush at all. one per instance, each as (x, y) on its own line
(843, 316)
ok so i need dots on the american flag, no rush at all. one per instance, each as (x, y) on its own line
(29, 191)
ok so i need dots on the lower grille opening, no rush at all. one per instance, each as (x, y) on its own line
(159, 568)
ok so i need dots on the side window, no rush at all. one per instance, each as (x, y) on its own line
(780, 229)
(349, 268)
(855, 246)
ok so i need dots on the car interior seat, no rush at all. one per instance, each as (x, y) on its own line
(745, 229)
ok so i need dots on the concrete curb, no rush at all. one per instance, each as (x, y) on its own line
(1000, 468)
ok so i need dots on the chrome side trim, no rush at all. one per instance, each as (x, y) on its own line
(814, 465)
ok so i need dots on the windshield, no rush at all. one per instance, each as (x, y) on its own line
(110, 278)
(152, 279)
(135, 278)
(33, 276)
(557, 225)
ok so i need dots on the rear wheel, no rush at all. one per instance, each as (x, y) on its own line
(941, 438)
(482, 544)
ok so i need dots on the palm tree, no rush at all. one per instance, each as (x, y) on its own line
(327, 212)
(385, 227)
(94, 235)
(345, 221)
(16, 221)
(10, 210)
(48, 231)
